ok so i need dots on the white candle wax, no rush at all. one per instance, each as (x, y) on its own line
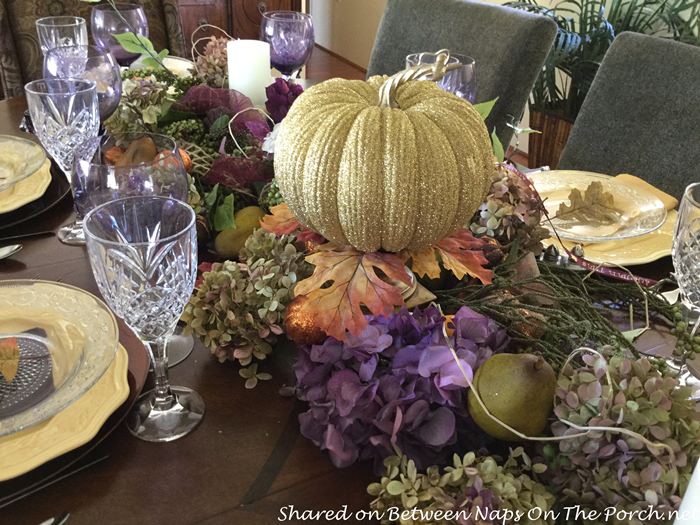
(689, 513)
(249, 68)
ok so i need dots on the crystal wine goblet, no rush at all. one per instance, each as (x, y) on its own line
(106, 22)
(65, 113)
(89, 63)
(291, 38)
(59, 31)
(686, 263)
(97, 179)
(143, 254)
(460, 81)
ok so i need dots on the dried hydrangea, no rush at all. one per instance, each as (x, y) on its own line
(144, 100)
(212, 64)
(609, 469)
(512, 212)
(394, 384)
(238, 307)
(478, 490)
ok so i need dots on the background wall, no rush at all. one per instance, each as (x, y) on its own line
(347, 27)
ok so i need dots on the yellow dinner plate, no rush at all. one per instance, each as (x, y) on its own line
(639, 250)
(27, 190)
(69, 429)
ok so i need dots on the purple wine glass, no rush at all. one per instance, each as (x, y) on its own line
(105, 22)
(89, 63)
(460, 81)
(291, 38)
(96, 180)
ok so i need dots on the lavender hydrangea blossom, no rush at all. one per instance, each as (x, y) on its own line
(395, 386)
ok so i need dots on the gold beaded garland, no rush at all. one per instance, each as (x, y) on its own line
(398, 171)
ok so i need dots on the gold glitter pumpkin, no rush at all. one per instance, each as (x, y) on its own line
(388, 164)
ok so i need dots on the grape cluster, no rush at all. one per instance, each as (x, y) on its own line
(686, 344)
(189, 130)
(181, 84)
(270, 195)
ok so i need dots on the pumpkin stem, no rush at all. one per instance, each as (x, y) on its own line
(434, 72)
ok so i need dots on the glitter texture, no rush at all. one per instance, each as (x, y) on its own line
(377, 177)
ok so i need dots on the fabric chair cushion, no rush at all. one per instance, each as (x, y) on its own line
(509, 47)
(22, 42)
(642, 114)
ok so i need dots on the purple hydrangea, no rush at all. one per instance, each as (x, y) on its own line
(280, 97)
(394, 386)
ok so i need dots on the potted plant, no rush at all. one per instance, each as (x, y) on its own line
(586, 29)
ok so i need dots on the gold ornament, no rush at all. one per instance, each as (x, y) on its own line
(300, 326)
(385, 164)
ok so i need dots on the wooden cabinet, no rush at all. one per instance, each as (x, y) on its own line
(240, 18)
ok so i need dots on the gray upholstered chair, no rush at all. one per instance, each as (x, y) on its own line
(509, 47)
(642, 114)
(20, 57)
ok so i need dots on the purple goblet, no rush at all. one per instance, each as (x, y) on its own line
(105, 22)
(291, 38)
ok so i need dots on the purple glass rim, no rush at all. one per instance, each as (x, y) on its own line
(286, 15)
(121, 6)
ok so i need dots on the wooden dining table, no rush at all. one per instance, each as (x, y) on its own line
(245, 464)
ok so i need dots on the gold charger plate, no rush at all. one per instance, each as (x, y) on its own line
(72, 427)
(27, 190)
(639, 250)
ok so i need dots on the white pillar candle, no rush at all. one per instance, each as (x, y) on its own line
(689, 513)
(249, 68)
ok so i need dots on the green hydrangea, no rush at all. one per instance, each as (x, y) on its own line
(610, 469)
(472, 485)
(238, 307)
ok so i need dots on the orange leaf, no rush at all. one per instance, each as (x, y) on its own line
(461, 253)
(424, 262)
(345, 280)
(9, 358)
(281, 221)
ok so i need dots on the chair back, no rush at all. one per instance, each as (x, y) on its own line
(20, 56)
(642, 114)
(508, 45)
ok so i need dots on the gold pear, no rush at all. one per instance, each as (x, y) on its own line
(518, 389)
(229, 242)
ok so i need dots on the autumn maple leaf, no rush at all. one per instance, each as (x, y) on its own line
(344, 281)
(9, 358)
(461, 253)
(281, 221)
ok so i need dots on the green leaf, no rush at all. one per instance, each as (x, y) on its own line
(632, 335)
(485, 108)
(211, 197)
(134, 43)
(223, 215)
(151, 62)
(174, 115)
(497, 147)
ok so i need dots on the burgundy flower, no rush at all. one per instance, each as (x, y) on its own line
(280, 97)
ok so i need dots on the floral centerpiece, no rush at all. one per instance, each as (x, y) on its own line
(371, 224)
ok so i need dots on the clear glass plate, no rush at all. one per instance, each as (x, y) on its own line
(19, 158)
(56, 341)
(634, 211)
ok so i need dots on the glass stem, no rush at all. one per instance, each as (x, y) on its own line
(164, 398)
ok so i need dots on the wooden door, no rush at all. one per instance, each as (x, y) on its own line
(246, 14)
(194, 13)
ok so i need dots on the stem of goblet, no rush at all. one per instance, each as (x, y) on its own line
(164, 398)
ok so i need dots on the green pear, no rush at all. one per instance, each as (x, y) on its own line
(518, 389)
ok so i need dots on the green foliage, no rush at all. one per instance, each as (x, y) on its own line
(238, 307)
(586, 29)
(470, 483)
